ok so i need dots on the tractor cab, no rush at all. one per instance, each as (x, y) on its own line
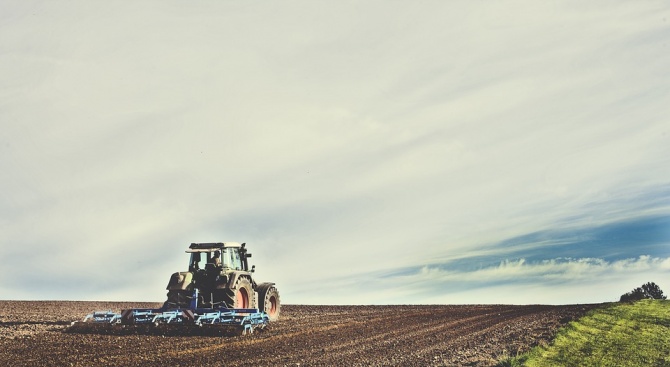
(228, 256)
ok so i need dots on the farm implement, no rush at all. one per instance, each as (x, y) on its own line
(163, 321)
(220, 298)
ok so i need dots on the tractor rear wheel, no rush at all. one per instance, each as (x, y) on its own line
(269, 301)
(240, 296)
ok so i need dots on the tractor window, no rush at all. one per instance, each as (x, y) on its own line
(195, 261)
(231, 259)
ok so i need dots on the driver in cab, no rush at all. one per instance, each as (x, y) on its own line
(216, 259)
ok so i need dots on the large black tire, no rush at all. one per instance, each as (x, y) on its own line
(178, 299)
(269, 301)
(241, 295)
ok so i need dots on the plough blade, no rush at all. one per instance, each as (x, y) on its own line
(212, 322)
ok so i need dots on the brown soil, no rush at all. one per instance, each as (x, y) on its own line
(31, 334)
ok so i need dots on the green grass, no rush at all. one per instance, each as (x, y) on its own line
(623, 334)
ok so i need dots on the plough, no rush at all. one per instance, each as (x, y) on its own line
(165, 321)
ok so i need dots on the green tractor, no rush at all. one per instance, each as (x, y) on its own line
(219, 276)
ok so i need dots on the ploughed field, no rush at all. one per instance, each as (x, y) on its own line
(31, 334)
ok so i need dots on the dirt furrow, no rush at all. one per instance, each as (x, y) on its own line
(473, 335)
(407, 343)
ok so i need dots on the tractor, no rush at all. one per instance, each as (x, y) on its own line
(217, 295)
(221, 274)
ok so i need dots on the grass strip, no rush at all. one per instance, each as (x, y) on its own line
(620, 334)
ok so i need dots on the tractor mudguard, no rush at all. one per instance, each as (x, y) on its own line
(233, 277)
(180, 281)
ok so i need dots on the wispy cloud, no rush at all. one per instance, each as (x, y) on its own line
(555, 281)
(327, 136)
(551, 271)
(605, 258)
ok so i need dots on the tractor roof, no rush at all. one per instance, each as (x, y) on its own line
(212, 246)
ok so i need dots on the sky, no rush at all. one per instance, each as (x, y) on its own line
(378, 152)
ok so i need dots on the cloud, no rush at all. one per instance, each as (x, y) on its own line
(550, 271)
(335, 139)
(551, 281)
(532, 268)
